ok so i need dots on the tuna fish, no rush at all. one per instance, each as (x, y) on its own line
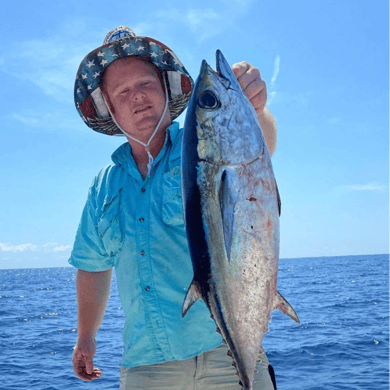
(232, 206)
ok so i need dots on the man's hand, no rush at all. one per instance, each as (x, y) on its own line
(252, 84)
(255, 89)
(83, 354)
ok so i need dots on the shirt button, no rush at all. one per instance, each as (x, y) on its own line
(142, 253)
(141, 220)
(142, 189)
(147, 288)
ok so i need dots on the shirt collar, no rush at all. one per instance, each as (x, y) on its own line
(123, 157)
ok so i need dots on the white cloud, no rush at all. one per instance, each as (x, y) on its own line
(204, 23)
(271, 98)
(299, 100)
(142, 29)
(6, 247)
(276, 71)
(48, 247)
(365, 187)
(51, 62)
(61, 248)
(272, 92)
(49, 120)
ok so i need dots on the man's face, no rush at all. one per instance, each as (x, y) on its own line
(136, 97)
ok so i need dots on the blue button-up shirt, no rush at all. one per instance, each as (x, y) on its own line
(137, 226)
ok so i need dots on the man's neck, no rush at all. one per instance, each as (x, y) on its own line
(140, 154)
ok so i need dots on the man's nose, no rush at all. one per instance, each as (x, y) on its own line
(138, 94)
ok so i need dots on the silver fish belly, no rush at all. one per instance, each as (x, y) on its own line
(232, 207)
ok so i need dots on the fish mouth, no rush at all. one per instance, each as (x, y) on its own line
(142, 108)
(206, 69)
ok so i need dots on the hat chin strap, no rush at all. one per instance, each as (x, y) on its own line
(151, 159)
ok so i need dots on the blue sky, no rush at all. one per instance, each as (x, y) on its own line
(326, 65)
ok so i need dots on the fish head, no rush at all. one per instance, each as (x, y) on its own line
(227, 128)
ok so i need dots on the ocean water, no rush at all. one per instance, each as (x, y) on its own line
(341, 343)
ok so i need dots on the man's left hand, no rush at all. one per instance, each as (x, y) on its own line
(252, 84)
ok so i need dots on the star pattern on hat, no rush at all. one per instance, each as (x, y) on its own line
(100, 54)
(91, 63)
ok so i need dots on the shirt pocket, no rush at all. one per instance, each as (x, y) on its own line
(172, 207)
(109, 225)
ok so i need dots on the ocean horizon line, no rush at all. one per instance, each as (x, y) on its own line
(282, 258)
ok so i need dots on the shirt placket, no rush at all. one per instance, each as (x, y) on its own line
(154, 321)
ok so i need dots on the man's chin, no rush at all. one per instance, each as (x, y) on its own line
(144, 127)
(142, 131)
(149, 125)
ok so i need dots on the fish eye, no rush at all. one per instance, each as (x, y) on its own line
(208, 100)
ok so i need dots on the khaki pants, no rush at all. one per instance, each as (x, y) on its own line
(207, 371)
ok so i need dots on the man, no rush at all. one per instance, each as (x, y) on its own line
(133, 220)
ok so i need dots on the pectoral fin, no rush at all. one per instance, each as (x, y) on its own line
(228, 200)
(193, 294)
(281, 304)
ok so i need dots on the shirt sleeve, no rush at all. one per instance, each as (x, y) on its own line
(89, 253)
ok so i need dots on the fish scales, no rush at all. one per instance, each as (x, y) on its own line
(231, 206)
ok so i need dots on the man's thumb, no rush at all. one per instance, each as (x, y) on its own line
(89, 365)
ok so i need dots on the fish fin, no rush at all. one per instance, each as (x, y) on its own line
(281, 304)
(272, 375)
(225, 71)
(193, 294)
(227, 201)
(279, 201)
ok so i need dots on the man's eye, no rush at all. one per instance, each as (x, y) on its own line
(124, 91)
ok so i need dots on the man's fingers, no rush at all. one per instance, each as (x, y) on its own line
(83, 366)
(252, 84)
(240, 68)
(245, 73)
(82, 373)
(259, 101)
(253, 89)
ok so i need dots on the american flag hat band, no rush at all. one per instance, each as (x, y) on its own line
(119, 43)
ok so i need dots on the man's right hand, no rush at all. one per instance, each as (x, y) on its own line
(83, 354)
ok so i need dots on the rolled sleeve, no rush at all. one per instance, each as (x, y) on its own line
(89, 253)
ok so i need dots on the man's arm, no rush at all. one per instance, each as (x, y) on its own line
(255, 89)
(268, 125)
(93, 289)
